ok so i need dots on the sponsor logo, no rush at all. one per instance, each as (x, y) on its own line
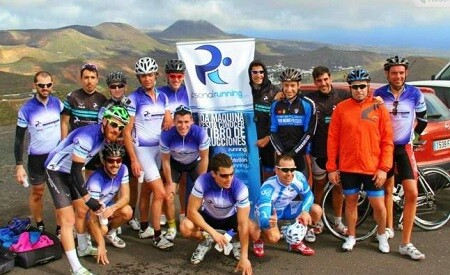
(211, 69)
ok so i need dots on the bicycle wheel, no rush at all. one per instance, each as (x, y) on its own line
(365, 224)
(433, 202)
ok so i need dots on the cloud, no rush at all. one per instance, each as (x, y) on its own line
(229, 15)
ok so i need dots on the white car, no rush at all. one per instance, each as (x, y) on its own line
(441, 88)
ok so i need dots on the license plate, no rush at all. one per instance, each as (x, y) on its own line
(441, 144)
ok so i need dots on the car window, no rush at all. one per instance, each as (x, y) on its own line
(445, 75)
(435, 108)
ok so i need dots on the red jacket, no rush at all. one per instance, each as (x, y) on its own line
(360, 138)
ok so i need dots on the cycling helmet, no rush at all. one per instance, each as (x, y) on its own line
(291, 75)
(117, 112)
(358, 75)
(394, 61)
(113, 150)
(116, 77)
(146, 65)
(175, 66)
(295, 233)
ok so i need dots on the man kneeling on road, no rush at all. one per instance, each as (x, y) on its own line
(218, 201)
(103, 185)
(276, 202)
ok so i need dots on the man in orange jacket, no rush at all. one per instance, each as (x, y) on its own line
(360, 147)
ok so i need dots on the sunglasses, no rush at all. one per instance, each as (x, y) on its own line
(176, 76)
(89, 66)
(114, 160)
(115, 86)
(116, 125)
(257, 72)
(395, 104)
(286, 169)
(360, 86)
(225, 176)
(44, 85)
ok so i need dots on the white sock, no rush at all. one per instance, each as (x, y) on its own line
(73, 260)
(82, 241)
(337, 220)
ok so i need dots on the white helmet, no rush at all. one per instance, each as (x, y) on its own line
(146, 65)
(295, 232)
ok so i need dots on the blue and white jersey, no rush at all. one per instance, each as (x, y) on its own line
(184, 149)
(275, 195)
(84, 142)
(43, 124)
(177, 98)
(148, 116)
(102, 187)
(410, 102)
(220, 203)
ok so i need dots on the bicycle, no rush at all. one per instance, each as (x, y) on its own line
(433, 205)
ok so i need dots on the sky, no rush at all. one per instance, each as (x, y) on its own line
(400, 23)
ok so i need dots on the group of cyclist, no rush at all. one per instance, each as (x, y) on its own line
(118, 140)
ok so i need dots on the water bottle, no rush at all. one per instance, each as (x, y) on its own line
(228, 246)
(25, 182)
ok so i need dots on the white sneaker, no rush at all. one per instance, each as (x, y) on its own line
(171, 233)
(236, 250)
(162, 220)
(134, 223)
(310, 237)
(350, 242)
(390, 233)
(411, 251)
(201, 250)
(341, 228)
(119, 230)
(81, 271)
(89, 251)
(115, 240)
(162, 243)
(147, 233)
(383, 244)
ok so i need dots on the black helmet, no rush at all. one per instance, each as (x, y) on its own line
(116, 77)
(113, 150)
(394, 61)
(175, 66)
(358, 75)
(291, 75)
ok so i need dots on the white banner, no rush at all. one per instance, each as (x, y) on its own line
(216, 75)
(217, 81)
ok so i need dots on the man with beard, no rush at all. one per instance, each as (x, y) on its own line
(41, 117)
(407, 105)
(66, 183)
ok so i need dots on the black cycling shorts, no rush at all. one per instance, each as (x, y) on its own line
(36, 169)
(404, 163)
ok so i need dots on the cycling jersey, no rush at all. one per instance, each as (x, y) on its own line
(83, 107)
(84, 142)
(220, 202)
(102, 187)
(293, 125)
(325, 105)
(176, 98)
(360, 138)
(276, 195)
(263, 96)
(186, 149)
(148, 116)
(43, 124)
(409, 102)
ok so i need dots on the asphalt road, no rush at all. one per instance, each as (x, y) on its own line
(140, 257)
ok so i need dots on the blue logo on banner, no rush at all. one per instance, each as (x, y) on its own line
(210, 69)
